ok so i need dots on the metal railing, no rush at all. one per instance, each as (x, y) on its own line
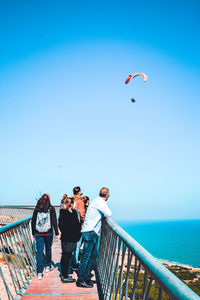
(17, 259)
(125, 270)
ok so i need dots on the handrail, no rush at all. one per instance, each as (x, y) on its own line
(12, 225)
(18, 264)
(116, 245)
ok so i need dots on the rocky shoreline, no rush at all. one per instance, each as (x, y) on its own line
(173, 263)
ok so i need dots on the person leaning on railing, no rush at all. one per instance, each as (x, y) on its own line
(43, 222)
(90, 232)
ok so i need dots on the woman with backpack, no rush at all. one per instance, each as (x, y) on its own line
(43, 222)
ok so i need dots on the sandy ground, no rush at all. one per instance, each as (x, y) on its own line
(8, 219)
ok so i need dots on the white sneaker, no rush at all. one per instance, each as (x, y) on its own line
(48, 268)
(39, 276)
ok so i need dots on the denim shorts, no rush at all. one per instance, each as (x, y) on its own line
(68, 246)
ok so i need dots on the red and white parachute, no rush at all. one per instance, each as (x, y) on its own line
(133, 75)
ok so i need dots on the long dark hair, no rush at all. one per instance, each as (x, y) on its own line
(44, 204)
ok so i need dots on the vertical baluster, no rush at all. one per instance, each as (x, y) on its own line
(135, 268)
(119, 279)
(9, 294)
(124, 251)
(102, 254)
(15, 278)
(32, 246)
(108, 260)
(14, 262)
(160, 293)
(28, 249)
(27, 229)
(136, 275)
(112, 262)
(105, 261)
(17, 257)
(113, 286)
(125, 286)
(105, 258)
(28, 232)
(22, 250)
(145, 284)
(148, 289)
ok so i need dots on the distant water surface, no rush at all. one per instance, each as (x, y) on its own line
(175, 241)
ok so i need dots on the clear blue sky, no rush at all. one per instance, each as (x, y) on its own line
(63, 101)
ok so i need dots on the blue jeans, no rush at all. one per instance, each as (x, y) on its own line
(41, 241)
(89, 256)
(75, 255)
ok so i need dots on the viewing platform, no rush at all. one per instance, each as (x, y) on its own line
(51, 287)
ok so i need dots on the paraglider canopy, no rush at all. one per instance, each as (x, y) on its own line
(133, 75)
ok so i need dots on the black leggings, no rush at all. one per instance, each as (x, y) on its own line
(64, 263)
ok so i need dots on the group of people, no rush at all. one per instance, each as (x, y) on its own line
(79, 223)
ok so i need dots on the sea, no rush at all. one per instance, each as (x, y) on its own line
(170, 241)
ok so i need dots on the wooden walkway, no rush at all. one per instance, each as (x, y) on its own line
(51, 286)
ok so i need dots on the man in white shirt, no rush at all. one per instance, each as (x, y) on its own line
(90, 233)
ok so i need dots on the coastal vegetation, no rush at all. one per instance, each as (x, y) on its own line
(190, 276)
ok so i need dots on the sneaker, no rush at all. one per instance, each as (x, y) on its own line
(83, 284)
(69, 279)
(48, 268)
(39, 276)
(90, 281)
(69, 276)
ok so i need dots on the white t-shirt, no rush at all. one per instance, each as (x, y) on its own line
(96, 210)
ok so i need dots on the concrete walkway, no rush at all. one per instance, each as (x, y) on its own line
(51, 287)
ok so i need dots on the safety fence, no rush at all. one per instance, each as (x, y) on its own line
(17, 259)
(125, 270)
